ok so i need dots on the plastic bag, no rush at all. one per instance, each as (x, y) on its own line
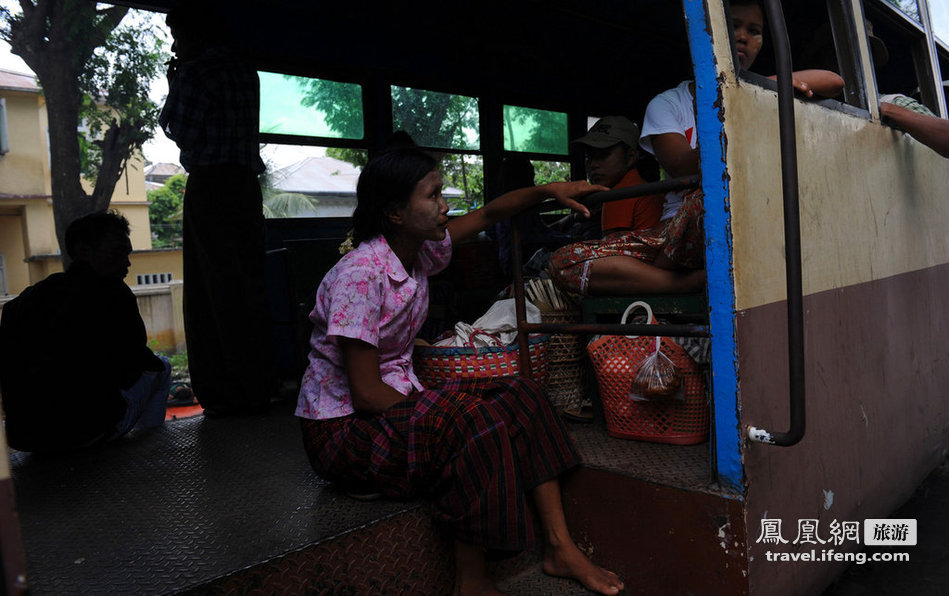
(497, 327)
(657, 378)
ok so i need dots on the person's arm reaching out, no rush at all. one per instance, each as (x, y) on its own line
(809, 83)
(931, 131)
(512, 203)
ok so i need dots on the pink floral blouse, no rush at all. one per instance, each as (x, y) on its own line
(368, 296)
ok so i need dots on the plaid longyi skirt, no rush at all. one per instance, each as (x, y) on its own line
(473, 448)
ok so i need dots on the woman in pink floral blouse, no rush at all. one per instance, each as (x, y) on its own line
(478, 451)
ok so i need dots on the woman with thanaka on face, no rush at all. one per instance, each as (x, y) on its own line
(478, 450)
(669, 258)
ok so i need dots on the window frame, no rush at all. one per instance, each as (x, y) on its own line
(924, 52)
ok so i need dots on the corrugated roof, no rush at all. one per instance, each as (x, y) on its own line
(317, 175)
(163, 169)
(325, 176)
(18, 81)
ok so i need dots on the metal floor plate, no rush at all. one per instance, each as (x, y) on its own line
(177, 507)
(200, 499)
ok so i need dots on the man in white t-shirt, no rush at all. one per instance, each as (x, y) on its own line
(669, 134)
(669, 124)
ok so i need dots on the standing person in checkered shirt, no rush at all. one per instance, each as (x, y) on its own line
(212, 113)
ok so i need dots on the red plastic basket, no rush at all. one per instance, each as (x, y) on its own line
(435, 364)
(616, 358)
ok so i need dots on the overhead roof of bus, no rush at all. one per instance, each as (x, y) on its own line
(607, 56)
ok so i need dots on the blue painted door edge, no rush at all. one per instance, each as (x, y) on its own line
(718, 248)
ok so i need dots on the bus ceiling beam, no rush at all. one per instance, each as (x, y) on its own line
(792, 237)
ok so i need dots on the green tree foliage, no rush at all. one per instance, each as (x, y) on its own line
(341, 103)
(537, 131)
(114, 86)
(164, 213)
(435, 119)
(551, 171)
(357, 157)
(441, 120)
(68, 43)
(466, 173)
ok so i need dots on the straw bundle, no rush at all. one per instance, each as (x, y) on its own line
(547, 297)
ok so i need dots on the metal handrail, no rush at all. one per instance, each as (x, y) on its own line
(596, 199)
(792, 238)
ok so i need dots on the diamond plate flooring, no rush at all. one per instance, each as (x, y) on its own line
(199, 499)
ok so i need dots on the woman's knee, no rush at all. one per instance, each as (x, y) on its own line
(520, 393)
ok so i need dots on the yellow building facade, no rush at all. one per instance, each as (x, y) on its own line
(28, 248)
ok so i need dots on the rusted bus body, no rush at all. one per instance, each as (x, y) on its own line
(875, 253)
(873, 214)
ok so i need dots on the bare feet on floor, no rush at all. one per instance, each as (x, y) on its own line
(568, 561)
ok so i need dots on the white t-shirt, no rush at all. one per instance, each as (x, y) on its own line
(671, 111)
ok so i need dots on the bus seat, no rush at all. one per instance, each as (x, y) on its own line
(681, 307)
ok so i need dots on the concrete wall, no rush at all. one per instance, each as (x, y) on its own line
(161, 310)
(160, 307)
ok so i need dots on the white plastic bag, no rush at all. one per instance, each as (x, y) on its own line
(497, 327)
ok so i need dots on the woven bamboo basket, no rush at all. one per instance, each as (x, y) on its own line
(565, 354)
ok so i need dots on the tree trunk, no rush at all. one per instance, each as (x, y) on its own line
(56, 38)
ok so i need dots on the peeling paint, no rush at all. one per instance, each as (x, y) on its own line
(724, 536)
(718, 255)
(760, 435)
(828, 499)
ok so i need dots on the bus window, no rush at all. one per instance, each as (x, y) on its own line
(909, 8)
(908, 69)
(550, 171)
(939, 16)
(534, 131)
(310, 181)
(304, 106)
(435, 119)
(812, 32)
(463, 182)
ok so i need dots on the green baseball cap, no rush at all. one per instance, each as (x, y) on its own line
(609, 131)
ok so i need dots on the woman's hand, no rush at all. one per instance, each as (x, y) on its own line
(511, 203)
(370, 394)
(567, 193)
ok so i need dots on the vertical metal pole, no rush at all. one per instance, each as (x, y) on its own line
(792, 237)
(520, 308)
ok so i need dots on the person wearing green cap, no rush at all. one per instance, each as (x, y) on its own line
(621, 261)
(611, 159)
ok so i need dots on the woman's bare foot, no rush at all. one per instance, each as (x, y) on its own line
(568, 561)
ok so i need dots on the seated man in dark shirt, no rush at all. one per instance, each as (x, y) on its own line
(74, 366)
